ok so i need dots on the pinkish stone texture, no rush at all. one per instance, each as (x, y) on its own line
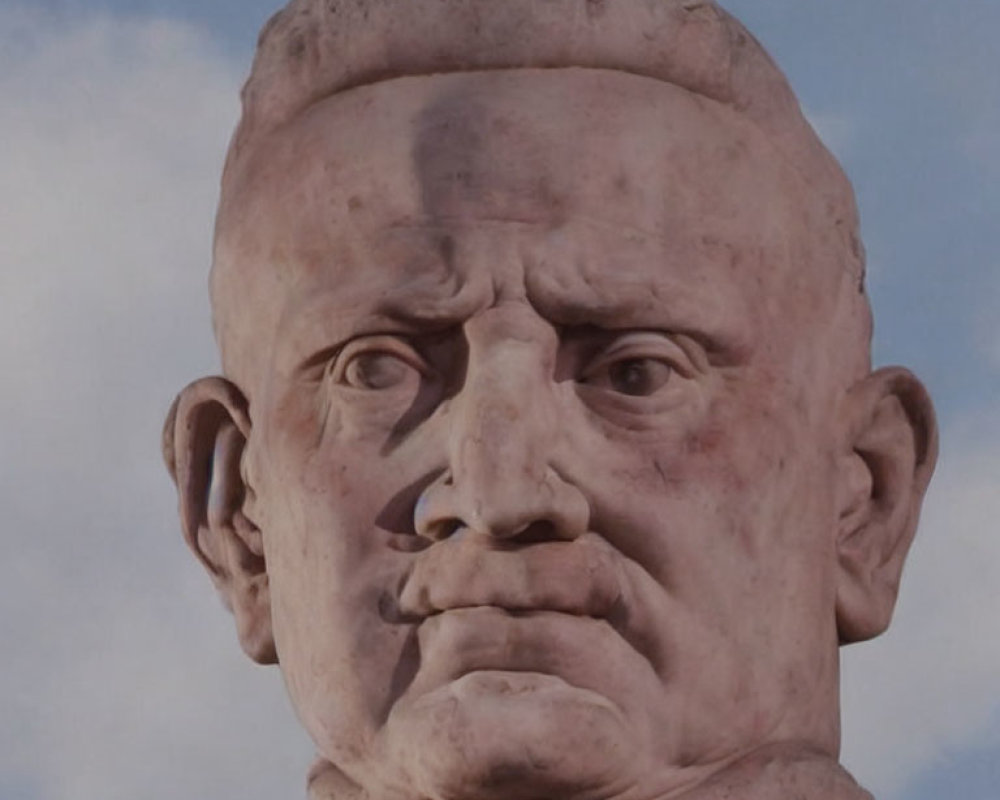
(548, 461)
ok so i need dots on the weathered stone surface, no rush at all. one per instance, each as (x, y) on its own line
(548, 460)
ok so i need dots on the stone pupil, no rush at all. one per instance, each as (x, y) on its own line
(376, 371)
(636, 376)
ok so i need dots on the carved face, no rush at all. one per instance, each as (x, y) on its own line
(541, 445)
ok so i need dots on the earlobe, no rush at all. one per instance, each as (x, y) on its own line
(203, 441)
(889, 459)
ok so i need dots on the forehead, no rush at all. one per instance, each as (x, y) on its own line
(613, 180)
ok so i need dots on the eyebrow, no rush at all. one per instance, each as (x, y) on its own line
(665, 304)
(424, 309)
(331, 317)
(445, 296)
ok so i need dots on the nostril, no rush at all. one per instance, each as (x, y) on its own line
(438, 530)
(541, 530)
(534, 532)
(434, 518)
(509, 513)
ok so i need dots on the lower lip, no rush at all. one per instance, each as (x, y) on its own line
(512, 685)
(490, 639)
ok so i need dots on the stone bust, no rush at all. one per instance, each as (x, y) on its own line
(548, 460)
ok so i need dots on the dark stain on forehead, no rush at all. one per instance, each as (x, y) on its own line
(596, 9)
(450, 132)
(470, 153)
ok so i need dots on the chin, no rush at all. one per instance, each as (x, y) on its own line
(493, 735)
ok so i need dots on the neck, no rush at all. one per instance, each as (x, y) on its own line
(779, 772)
(775, 772)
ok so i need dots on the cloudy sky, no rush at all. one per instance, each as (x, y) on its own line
(121, 677)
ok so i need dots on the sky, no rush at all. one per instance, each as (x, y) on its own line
(121, 675)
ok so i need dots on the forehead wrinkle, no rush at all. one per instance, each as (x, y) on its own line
(586, 293)
(437, 293)
(443, 288)
(592, 296)
(440, 306)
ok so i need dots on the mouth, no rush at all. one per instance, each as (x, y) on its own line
(577, 579)
(516, 612)
(560, 615)
(459, 642)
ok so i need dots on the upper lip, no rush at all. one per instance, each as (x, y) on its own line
(578, 577)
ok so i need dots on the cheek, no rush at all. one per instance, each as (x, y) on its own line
(739, 496)
(755, 551)
(304, 462)
(770, 484)
(330, 569)
(757, 439)
(321, 499)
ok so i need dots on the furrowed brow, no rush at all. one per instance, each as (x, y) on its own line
(652, 308)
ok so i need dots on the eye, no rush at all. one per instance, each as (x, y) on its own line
(377, 364)
(635, 377)
(635, 364)
(637, 380)
(375, 371)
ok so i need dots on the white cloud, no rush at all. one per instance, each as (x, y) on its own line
(932, 684)
(122, 678)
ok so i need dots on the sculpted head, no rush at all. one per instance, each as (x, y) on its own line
(549, 459)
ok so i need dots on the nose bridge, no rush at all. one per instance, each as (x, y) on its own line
(504, 436)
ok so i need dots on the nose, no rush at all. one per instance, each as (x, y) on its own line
(502, 480)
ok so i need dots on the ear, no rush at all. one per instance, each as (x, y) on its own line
(892, 448)
(203, 440)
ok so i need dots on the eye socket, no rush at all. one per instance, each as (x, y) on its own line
(637, 364)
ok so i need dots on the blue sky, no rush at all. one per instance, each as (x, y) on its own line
(122, 678)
